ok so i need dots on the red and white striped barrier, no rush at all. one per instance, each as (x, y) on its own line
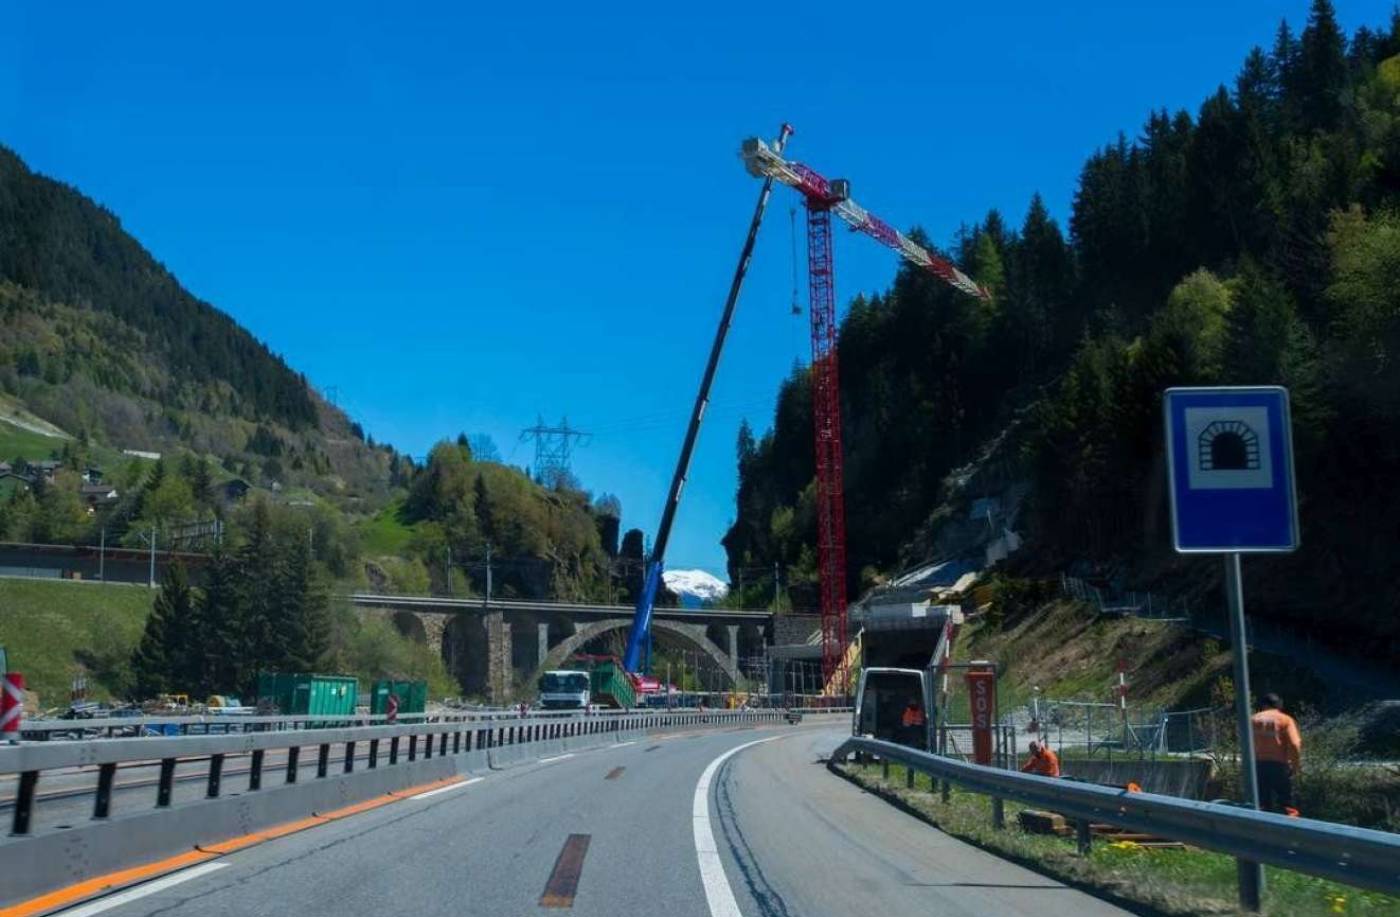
(11, 706)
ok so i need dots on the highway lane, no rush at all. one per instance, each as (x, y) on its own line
(799, 840)
(793, 839)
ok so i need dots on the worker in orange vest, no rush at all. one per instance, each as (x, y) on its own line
(1042, 761)
(1277, 755)
(912, 723)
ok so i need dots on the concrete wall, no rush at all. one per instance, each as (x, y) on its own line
(1169, 776)
(790, 629)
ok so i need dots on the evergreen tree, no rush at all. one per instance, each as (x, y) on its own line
(226, 649)
(260, 607)
(481, 506)
(201, 483)
(291, 592)
(155, 478)
(1322, 69)
(1286, 74)
(163, 661)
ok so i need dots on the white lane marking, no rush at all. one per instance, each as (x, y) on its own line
(717, 891)
(556, 758)
(447, 789)
(623, 744)
(141, 891)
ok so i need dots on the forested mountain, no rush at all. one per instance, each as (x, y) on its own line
(98, 339)
(61, 245)
(1256, 241)
(101, 340)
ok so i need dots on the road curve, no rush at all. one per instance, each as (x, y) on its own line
(793, 839)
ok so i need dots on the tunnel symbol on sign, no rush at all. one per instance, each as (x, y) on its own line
(1228, 445)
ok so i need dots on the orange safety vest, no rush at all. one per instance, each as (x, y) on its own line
(1045, 763)
(1276, 737)
(913, 716)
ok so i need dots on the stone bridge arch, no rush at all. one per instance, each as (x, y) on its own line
(692, 635)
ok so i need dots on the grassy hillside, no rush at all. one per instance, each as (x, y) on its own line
(385, 533)
(16, 442)
(51, 629)
(1072, 653)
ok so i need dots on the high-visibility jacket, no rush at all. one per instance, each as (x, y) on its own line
(1045, 763)
(912, 716)
(1276, 737)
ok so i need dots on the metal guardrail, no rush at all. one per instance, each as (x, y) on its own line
(210, 723)
(1355, 856)
(304, 781)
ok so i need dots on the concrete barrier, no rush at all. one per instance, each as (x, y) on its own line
(1183, 777)
(37, 864)
(48, 859)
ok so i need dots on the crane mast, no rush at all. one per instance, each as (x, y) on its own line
(823, 197)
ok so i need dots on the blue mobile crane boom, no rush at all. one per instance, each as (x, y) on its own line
(641, 621)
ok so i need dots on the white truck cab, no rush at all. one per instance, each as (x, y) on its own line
(565, 689)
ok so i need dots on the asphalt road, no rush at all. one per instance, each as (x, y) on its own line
(792, 838)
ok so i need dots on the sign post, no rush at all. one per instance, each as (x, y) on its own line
(1230, 471)
(981, 691)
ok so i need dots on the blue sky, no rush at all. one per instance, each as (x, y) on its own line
(460, 218)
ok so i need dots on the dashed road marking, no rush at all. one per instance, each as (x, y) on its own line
(448, 789)
(563, 880)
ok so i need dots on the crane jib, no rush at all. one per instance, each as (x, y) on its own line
(820, 191)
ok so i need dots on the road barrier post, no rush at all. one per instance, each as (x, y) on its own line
(1083, 837)
(11, 707)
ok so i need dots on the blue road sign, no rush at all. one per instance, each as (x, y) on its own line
(1230, 468)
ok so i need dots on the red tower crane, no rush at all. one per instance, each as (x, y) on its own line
(824, 196)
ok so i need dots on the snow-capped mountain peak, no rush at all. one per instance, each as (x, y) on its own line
(696, 584)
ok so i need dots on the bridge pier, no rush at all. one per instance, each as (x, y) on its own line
(543, 632)
(499, 672)
(733, 630)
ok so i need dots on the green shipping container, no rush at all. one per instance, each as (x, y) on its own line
(413, 696)
(611, 686)
(299, 694)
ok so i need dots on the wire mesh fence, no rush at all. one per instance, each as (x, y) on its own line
(1101, 729)
(1130, 602)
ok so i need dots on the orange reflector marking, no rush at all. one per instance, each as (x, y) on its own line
(425, 787)
(90, 887)
(365, 806)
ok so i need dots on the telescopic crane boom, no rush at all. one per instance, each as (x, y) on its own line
(824, 196)
(641, 620)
